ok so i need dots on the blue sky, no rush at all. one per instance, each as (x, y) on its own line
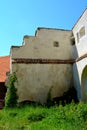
(22, 17)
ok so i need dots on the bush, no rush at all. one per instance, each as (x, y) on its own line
(11, 96)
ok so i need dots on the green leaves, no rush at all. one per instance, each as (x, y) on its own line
(11, 96)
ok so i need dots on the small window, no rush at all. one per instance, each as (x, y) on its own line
(56, 44)
(82, 32)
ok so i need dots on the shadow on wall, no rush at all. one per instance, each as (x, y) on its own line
(3, 90)
(68, 97)
(75, 52)
(76, 79)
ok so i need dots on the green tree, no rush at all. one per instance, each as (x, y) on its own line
(11, 96)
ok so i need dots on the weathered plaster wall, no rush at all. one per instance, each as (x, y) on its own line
(35, 80)
(81, 46)
(42, 45)
(78, 68)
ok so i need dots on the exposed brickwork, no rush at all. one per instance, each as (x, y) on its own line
(47, 61)
(42, 61)
(81, 57)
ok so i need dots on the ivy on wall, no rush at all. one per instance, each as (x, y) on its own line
(11, 96)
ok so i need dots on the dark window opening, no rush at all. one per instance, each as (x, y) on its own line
(73, 42)
(56, 44)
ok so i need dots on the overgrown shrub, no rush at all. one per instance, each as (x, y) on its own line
(11, 96)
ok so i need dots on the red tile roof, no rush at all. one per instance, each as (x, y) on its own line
(4, 67)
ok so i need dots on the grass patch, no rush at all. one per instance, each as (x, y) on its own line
(36, 117)
(69, 117)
